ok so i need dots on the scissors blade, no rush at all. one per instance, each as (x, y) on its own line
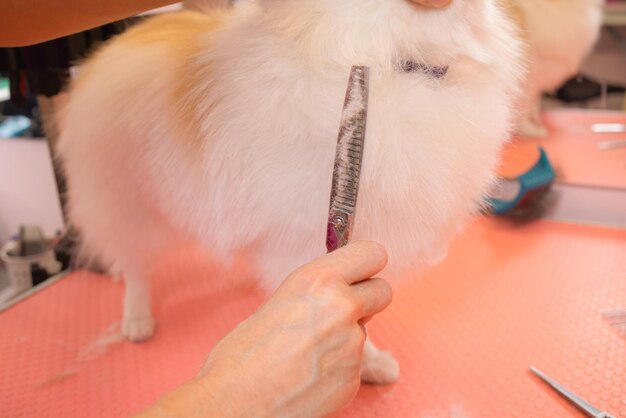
(608, 128)
(580, 403)
(614, 144)
(348, 159)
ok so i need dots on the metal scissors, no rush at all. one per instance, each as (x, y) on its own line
(608, 128)
(348, 160)
(579, 402)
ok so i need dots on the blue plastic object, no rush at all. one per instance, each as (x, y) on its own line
(14, 126)
(539, 178)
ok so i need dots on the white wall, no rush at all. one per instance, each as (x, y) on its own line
(27, 188)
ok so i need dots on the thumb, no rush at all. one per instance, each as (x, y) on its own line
(353, 263)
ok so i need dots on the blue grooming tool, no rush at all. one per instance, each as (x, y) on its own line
(515, 192)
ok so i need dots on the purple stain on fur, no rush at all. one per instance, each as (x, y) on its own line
(415, 67)
(331, 238)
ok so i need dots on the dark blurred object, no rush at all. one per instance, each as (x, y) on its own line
(28, 109)
(39, 274)
(43, 69)
(581, 88)
(66, 247)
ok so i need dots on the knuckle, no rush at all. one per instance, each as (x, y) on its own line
(320, 275)
(311, 277)
(346, 308)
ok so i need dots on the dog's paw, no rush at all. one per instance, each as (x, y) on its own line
(381, 368)
(138, 329)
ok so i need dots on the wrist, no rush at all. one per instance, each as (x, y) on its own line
(194, 399)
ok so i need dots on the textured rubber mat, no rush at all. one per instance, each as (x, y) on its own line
(464, 332)
(573, 149)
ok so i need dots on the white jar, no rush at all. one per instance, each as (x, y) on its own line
(19, 268)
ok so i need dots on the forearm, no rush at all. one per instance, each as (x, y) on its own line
(194, 399)
(31, 21)
(300, 353)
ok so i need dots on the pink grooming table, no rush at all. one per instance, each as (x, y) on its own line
(573, 149)
(464, 332)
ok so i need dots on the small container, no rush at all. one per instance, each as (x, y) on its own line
(19, 267)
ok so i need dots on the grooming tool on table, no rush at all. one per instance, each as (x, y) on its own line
(516, 192)
(348, 159)
(580, 403)
(608, 128)
(609, 145)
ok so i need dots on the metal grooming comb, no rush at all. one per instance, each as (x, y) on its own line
(348, 159)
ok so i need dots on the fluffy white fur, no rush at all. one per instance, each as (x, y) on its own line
(559, 34)
(267, 92)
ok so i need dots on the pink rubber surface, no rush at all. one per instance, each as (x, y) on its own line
(572, 149)
(464, 332)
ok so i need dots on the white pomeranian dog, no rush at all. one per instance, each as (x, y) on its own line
(558, 35)
(219, 129)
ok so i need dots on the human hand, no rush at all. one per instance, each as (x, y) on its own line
(300, 353)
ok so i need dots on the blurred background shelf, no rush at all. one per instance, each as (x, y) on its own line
(615, 14)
